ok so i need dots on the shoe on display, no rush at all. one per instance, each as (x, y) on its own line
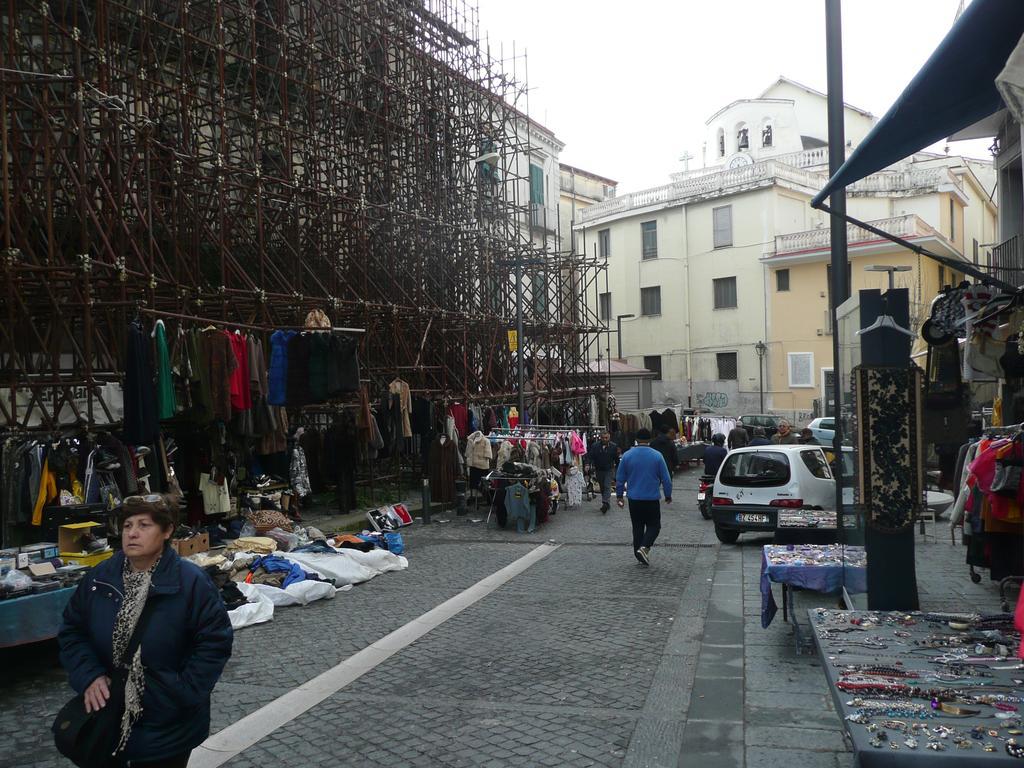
(141, 450)
(644, 554)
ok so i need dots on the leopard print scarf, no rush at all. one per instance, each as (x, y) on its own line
(136, 590)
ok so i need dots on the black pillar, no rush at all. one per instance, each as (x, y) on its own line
(891, 571)
(840, 290)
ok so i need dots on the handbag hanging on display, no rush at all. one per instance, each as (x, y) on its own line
(89, 739)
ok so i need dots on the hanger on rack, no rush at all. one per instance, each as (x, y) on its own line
(886, 321)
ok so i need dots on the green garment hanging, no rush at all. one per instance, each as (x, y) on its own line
(166, 405)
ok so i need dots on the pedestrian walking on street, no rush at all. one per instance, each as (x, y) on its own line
(759, 437)
(738, 438)
(643, 473)
(807, 437)
(785, 435)
(665, 444)
(603, 456)
(714, 454)
(147, 633)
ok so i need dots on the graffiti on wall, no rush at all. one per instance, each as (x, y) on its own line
(716, 400)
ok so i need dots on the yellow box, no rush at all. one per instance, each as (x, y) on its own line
(77, 558)
(69, 537)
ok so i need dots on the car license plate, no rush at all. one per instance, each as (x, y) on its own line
(745, 517)
(701, 495)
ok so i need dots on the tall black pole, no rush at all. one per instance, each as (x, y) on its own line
(520, 367)
(760, 376)
(840, 290)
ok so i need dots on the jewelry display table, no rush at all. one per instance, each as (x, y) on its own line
(925, 689)
(822, 568)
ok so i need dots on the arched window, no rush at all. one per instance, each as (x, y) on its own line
(742, 137)
(721, 142)
(766, 134)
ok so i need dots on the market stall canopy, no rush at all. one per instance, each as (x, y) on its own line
(954, 89)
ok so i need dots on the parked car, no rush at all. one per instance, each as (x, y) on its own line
(755, 483)
(769, 422)
(823, 429)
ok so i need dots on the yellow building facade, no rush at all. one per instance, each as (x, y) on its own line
(799, 356)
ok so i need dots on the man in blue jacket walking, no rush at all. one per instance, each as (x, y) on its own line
(641, 472)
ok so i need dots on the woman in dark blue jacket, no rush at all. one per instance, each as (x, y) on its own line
(185, 641)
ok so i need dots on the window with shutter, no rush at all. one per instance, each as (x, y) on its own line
(649, 232)
(650, 300)
(725, 292)
(722, 223)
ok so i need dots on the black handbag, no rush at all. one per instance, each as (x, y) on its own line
(89, 739)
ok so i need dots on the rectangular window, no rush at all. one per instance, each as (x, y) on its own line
(942, 277)
(536, 184)
(539, 289)
(604, 243)
(782, 280)
(653, 363)
(722, 219)
(649, 234)
(975, 251)
(650, 300)
(604, 306)
(727, 370)
(757, 469)
(952, 219)
(801, 367)
(725, 292)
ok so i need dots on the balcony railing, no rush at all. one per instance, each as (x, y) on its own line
(785, 168)
(910, 225)
(1008, 256)
(710, 185)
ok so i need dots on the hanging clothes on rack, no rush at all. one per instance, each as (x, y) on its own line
(140, 406)
(444, 467)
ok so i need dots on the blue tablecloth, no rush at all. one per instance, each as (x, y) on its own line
(827, 579)
(32, 618)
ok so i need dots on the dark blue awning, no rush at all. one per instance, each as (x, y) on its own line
(954, 89)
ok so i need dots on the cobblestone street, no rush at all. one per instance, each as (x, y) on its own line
(584, 658)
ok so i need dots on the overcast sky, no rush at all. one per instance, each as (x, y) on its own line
(628, 85)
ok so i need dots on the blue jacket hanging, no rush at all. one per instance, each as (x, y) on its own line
(277, 377)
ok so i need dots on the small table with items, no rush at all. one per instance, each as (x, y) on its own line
(823, 568)
(32, 618)
(925, 688)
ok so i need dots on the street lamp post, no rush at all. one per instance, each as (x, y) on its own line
(890, 269)
(761, 348)
(618, 331)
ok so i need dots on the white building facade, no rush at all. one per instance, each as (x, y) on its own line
(687, 260)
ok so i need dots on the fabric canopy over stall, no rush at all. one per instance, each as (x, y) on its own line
(954, 89)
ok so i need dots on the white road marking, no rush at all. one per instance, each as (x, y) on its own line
(226, 744)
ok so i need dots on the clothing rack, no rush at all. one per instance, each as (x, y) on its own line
(247, 326)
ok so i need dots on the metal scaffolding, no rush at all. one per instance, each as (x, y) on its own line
(247, 161)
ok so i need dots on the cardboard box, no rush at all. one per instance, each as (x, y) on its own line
(69, 537)
(72, 558)
(192, 546)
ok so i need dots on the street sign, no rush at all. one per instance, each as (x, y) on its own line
(513, 341)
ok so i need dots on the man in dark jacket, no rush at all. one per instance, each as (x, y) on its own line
(665, 444)
(738, 438)
(714, 454)
(185, 644)
(603, 456)
(759, 437)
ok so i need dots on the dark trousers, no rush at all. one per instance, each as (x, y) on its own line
(645, 515)
(605, 478)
